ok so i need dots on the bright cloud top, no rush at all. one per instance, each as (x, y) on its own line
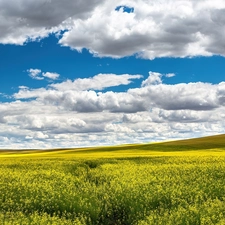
(78, 116)
(148, 29)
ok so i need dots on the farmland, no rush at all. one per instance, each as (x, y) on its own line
(180, 182)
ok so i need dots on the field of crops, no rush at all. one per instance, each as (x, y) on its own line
(171, 183)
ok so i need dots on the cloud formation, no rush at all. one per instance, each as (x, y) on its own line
(86, 117)
(98, 82)
(35, 74)
(81, 95)
(29, 19)
(53, 76)
(39, 75)
(181, 28)
(147, 29)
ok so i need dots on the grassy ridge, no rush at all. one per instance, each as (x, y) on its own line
(153, 184)
(204, 143)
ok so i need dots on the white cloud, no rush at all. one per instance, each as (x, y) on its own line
(166, 28)
(53, 76)
(23, 87)
(77, 96)
(37, 74)
(66, 118)
(22, 20)
(154, 78)
(98, 82)
(193, 96)
(170, 75)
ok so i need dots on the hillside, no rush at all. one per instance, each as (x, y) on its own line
(204, 143)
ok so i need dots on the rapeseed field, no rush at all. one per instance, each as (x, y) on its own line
(174, 183)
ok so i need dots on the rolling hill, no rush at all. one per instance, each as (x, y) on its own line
(204, 143)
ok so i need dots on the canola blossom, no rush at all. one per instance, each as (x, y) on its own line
(156, 188)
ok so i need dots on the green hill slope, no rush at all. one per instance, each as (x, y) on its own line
(205, 143)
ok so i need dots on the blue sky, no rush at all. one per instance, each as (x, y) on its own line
(104, 73)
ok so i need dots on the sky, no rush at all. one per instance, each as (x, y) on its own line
(95, 73)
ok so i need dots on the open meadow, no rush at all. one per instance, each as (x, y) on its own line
(171, 183)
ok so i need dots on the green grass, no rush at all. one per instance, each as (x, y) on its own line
(171, 183)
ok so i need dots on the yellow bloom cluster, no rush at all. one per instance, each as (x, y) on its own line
(171, 190)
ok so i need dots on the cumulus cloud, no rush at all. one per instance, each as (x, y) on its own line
(28, 19)
(147, 29)
(53, 76)
(181, 28)
(193, 96)
(81, 95)
(98, 82)
(154, 78)
(56, 117)
(37, 74)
